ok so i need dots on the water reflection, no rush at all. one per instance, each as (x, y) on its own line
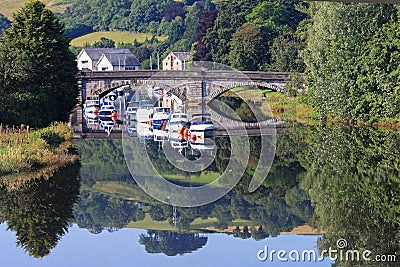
(40, 210)
(354, 182)
(171, 243)
(339, 179)
(280, 205)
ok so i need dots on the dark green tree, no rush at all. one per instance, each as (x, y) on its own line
(247, 48)
(104, 43)
(40, 211)
(37, 84)
(285, 54)
(171, 243)
(175, 30)
(231, 16)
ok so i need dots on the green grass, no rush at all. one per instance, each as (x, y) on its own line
(149, 223)
(281, 106)
(27, 151)
(198, 223)
(117, 37)
(204, 178)
(118, 189)
(7, 7)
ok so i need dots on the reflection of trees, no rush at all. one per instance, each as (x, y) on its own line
(96, 211)
(279, 205)
(353, 181)
(102, 160)
(171, 243)
(41, 210)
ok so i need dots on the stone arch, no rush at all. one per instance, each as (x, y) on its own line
(217, 89)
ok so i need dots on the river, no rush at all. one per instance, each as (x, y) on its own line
(332, 190)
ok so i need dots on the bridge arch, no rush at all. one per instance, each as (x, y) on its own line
(216, 89)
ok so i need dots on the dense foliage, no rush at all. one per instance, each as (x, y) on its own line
(37, 70)
(353, 181)
(352, 58)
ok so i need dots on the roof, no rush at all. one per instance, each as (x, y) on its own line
(184, 56)
(96, 53)
(123, 59)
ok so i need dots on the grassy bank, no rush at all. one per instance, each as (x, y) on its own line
(296, 109)
(290, 108)
(25, 151)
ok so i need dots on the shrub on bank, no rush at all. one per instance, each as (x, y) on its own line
(23, 151)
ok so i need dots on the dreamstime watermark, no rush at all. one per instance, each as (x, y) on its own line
(339, 253)
(198, 87)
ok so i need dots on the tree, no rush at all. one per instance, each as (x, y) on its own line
(285, 54)
(353, 180)
(104, 43)
(37, 84)
(230, 17)
(41, 209)
(175, 30)
(351, 65)
(200, 50)
(247, 48)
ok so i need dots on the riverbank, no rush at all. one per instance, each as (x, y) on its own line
(23, 151)
(296, 109)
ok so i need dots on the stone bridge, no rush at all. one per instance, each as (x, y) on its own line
(187, 84)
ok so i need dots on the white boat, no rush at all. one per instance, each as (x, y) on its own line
(178, 117)
(202, 128)
(160, 113)
(130, 126)
(159, 117)
(90, 121)
(144, 130)
(90, 112)
(144, 110)
(92, 100)
(107, 106)
(160, 135)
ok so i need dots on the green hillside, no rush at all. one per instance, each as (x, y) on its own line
(117, 37)
(7, 7)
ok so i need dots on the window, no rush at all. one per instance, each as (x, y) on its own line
(104, 68)
(85, 64)
(130, 68)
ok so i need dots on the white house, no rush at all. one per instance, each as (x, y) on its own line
(118, 61)
(176, 61)
(107, 59)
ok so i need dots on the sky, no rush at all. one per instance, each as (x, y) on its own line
(81, 248)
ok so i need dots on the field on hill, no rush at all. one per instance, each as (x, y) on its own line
(7, 7)
(117, 37)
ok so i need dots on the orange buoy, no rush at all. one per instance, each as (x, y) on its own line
(193, 138)
(180, 131)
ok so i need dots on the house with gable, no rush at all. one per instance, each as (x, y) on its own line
(107, 59)
(176, 61)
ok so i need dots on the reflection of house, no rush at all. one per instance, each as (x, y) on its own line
(176, 61)
(107, 59)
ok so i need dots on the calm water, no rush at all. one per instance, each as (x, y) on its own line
(339, 179)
